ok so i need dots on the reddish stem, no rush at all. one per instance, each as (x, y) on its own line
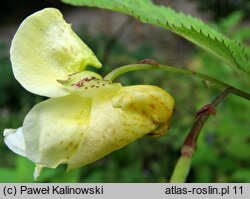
(191, 140)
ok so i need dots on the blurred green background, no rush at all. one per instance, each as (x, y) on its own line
(223, 153)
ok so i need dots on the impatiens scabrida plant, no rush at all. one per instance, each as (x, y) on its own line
(86, 117)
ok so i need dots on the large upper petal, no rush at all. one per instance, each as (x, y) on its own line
(45, 49)
(121, 119)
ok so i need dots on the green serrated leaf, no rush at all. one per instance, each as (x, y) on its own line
(193, 29)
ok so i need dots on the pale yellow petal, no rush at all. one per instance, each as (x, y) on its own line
(53, 129)
(89, 84)
(149, 101)
(45, 49)
(37, 171)
(14, 139)
(121, 119)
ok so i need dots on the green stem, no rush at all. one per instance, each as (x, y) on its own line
(183, 165)
(134, 67)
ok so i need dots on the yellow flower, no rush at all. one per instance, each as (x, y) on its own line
(86, 117)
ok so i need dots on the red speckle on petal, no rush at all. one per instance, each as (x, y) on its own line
(79, 84)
